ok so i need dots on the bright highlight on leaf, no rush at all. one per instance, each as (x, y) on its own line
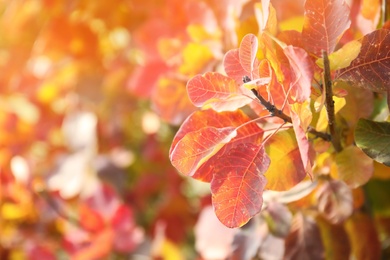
(286, 169)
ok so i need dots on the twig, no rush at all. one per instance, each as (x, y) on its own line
(279, 113)
(329, 104)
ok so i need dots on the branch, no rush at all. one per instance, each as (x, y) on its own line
(279, 113)
(329, 104)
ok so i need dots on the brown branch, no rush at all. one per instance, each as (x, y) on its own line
(279, 113)
(329, 104)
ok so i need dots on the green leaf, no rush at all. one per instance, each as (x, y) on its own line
(374, 139)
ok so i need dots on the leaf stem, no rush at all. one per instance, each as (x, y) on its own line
(279, 113)
(329, 104)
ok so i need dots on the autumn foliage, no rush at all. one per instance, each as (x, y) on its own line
(194, 129)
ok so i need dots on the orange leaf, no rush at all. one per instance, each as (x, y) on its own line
(216, 91)
(286, 169)
(238, 184)
(209, 122)
(324, 23)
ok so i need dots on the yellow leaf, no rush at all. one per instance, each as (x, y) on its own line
(343, 57)
(294, 23)
(304, 113)
(286, 168)
(353, 167)
(195, 57)
(322, 123)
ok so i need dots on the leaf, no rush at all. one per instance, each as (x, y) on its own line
(353, 167)
(238, 184)
(286, 169)
(266, 17)
(322, 123)
(370, 69)
(324, 23)
(304, 241)
(247, 53)
(302, 72)
(198, 146)
(343, 57)
(189, 161)
(216, 91)
(335, 201)
(374, 139)
(301, 117)
(363, 237)
(358, 104)
(233, 67)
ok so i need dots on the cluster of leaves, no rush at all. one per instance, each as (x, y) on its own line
(84, 171)
(294, 113)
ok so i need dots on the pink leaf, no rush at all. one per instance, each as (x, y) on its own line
(247, 53)
(302, 69)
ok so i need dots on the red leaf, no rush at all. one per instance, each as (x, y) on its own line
(324, 23)
(127, 235)
(198, 146)
(302, 69)
(247, 53)
(216, 90)
(370, 69)
(238, 184)
(304, 240)
(209, 119)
